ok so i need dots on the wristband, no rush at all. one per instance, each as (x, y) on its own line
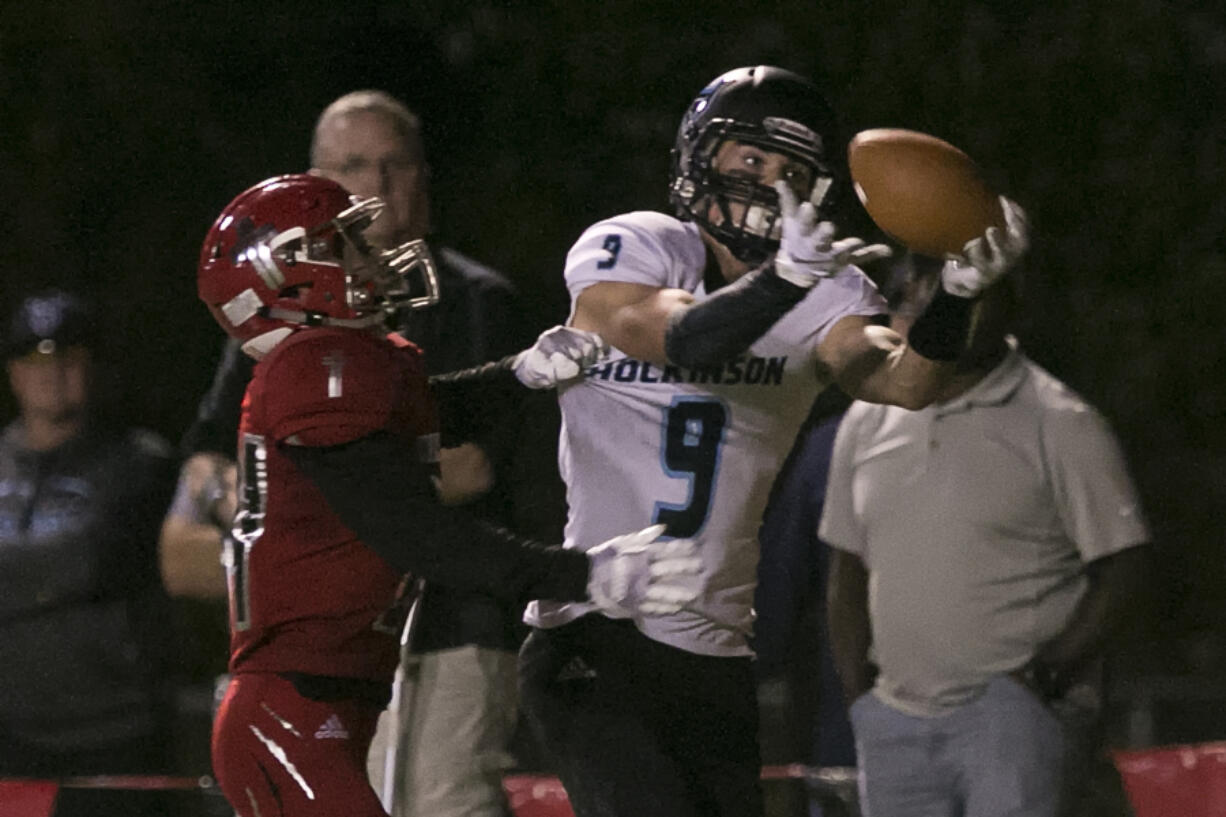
(941, 330)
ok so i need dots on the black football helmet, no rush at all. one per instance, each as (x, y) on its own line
(765, 106)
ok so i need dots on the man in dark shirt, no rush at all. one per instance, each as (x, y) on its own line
(82, 624)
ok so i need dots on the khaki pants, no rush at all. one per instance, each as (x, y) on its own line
(442, 742)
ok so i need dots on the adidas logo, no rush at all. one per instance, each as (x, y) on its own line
(332, 728)
(575, 669)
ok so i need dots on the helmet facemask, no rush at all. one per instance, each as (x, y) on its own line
(768, 108)
(383, 280)
(412, 276)
(375, 282)
(748, 220)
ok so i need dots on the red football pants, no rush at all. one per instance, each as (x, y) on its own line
(278, 754)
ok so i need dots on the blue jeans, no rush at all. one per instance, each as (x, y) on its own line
(1002, 755)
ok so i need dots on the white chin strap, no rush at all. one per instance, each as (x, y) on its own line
(261, 345)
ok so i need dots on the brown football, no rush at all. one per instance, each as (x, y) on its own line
(921, 190)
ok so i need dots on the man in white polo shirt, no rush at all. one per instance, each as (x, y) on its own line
(986, 549)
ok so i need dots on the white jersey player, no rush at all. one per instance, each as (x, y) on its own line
(725, 322)
(693, 448)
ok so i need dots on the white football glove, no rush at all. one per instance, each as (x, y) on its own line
(986, 258)
(634, 575)
(560, 353)
(807, 249)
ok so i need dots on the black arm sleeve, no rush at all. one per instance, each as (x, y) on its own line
(725, 324)
(471, 401)
(216, 425)
(384, 497)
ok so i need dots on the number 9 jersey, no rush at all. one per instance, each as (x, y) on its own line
(695, 449)
(305, 595)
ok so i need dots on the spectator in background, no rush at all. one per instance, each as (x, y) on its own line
(463, 702)
(987, 549)
(82, 625)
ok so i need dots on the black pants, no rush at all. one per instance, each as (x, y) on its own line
(634, 727)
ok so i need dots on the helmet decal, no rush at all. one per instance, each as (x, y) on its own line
(242, 307)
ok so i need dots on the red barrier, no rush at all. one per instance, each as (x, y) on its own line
(1175, 781)
(27, 798)
(531, 795)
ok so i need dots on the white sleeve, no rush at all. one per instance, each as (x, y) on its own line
(851, 292)
(628, 248)
(1094, 494)
(839, 527)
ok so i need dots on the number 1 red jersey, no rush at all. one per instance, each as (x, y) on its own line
(305, 594)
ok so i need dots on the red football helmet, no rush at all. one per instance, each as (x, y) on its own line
(289, 252)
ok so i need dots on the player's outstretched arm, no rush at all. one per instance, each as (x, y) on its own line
(878, 365)
(388, 501)
(559, 354)
(663, 325)
(669, 326)
(632, 317)
(465, 397)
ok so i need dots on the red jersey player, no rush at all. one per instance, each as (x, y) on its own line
(337, 457)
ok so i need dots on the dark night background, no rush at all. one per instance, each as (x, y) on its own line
(127, 127)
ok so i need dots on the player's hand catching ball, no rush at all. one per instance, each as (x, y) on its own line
(635, 575)
(560, 353)
(807, 249)
(986, 258)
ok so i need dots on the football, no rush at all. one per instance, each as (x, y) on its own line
(922, 191)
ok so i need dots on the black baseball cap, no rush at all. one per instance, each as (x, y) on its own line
(48, 321)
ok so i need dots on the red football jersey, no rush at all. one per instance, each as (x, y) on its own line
(305, 594)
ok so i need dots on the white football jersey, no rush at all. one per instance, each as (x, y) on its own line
(697, 449)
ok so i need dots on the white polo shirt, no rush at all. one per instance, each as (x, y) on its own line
(974, 519)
